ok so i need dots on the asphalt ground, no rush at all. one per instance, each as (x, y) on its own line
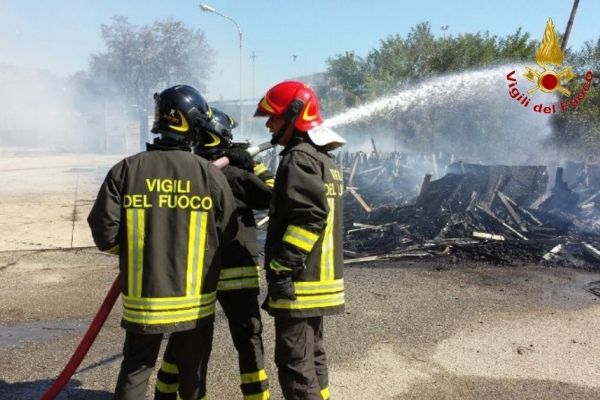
(411, 330)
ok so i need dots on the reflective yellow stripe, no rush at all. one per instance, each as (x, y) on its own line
(167, 317)
(258, 376)
(300, 237)
(270, 182)
(278, 267)
(135, 250)
(239, 278)
(259, 168)
(169, 368)
(327, 263)
(166, 388)
(239, 272)
(130, 249)
(325, 393)
(240, 283)
(196, 250)
(319, 287)
(305, 302)
(168, 303)
(266, 395)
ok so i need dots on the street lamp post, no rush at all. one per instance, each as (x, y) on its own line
(207, 8)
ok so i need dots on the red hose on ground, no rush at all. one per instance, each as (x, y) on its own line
(86, 341)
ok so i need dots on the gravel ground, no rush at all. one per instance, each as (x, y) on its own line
(412, 330)
(416, 330)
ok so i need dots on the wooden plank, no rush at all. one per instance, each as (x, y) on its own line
(553, 252)
(374, 147)
(424, 187)
(485, 235)
(530, 215)
(511, 211)
(490, 214)
(592, 250)
(354, 164)
(360, 200)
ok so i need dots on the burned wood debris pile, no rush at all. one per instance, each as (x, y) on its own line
(499, 214)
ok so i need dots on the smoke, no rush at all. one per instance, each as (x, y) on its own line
(43, 111)
(35, 109)
(468, 115)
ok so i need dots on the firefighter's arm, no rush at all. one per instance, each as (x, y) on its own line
(249, 191)
(306, 211)
(105, 217)
(224, 208)
(263, 173)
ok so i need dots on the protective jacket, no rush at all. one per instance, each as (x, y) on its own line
(166, 213)
(305, 231)
(252, 191)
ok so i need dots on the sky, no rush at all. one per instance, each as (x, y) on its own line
(288, 38)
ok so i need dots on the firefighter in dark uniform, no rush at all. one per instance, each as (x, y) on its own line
(238, 287)
(303, 250)
(167, 213)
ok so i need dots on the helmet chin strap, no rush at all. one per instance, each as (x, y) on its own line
(280, 133)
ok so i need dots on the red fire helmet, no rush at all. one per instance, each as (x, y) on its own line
(296, 101)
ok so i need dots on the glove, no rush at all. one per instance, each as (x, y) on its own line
(238, 157)
(282, 287)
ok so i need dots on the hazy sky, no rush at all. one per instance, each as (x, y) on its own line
(60, 35)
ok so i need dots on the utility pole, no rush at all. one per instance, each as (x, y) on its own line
(563, 45)
(444, 29)
(294, 57)
(253, 57)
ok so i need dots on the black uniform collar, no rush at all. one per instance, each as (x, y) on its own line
(298, 138)
(166, 143)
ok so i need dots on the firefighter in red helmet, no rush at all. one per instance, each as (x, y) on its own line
(303, 249)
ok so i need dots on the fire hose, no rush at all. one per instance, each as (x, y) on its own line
(109, 301)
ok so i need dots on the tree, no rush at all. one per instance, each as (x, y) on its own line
(347, 72)
(141, 60)
(577, 131)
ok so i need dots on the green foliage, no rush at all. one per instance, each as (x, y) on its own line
(347, 72)
(472, 128)
(140, 60)
(399, 61)
(577, 131)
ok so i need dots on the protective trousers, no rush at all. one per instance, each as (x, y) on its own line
(190, 348)
(243, 315)
(300, 358)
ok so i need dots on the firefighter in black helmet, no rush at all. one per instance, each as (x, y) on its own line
(238, 287)
(166, 213)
